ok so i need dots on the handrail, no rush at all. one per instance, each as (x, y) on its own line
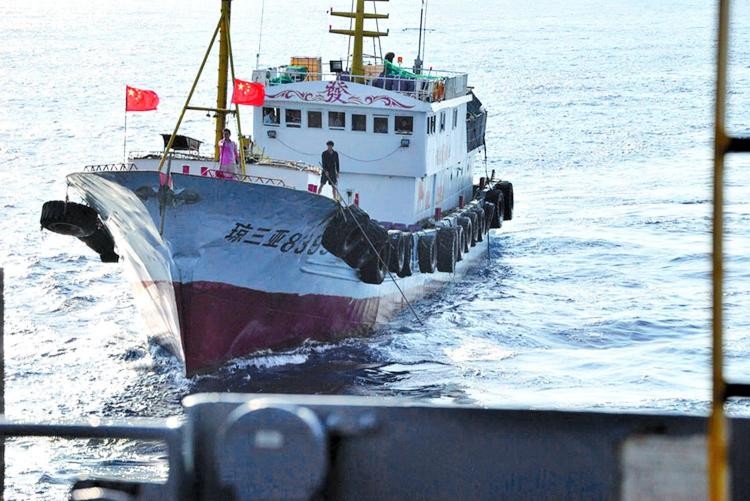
(246, 178)
(429, 87)
(109, 167)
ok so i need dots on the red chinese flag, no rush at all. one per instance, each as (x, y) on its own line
(140, 99)
(251, 93)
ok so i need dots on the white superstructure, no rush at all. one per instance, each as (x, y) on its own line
(403, 153)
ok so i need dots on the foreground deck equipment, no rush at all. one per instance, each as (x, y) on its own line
(718, 449)
(247, 447)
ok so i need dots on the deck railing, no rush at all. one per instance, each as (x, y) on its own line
(109, 167)
(204, 172)
(430, 86)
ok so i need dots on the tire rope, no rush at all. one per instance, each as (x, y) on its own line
(343, 207)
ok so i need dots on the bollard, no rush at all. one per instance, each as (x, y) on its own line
(461, 201)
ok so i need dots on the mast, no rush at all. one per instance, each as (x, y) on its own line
(226, 63)
(221, 90)
(359, 32)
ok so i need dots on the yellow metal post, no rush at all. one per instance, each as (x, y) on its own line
(221, 91)
(717, 432)
(190, 96)
(358, 33)
(359, 27)
(236, 106)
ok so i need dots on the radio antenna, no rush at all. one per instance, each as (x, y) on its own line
(260, 34)
(418, 60)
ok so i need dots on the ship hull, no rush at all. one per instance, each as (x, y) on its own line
(222, 269)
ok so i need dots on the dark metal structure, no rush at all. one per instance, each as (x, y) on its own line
(245, 447)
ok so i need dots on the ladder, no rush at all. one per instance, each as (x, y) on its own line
(721, 389)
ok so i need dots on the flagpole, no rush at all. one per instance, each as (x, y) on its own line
(125, 142)
(125, 135)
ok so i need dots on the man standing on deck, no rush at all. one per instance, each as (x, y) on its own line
(228, 155)
(331, 168)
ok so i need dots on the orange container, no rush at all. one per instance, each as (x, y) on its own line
(312, 64)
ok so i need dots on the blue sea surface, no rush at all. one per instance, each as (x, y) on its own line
(595, 296)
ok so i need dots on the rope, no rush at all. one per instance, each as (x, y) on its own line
(342, 154)
(372, 246)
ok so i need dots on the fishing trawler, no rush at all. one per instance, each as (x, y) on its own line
(226, 264)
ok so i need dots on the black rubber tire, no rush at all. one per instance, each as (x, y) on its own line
(397, 244)
(480, 223)
(373, 271)
(341, 227)
(495, 197)
(69, 218)
(474, 228)
(460, 242)
(446, 249)
(102, 243)
(489, 214)
(468, 228)
(363, 251)
(406, 270)
(427, 252)
(507, 188)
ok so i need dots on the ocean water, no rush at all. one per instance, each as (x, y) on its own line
(596, 295)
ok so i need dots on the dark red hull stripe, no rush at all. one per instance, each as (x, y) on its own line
(219, 322)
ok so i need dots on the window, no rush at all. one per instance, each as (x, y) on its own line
(455, 117)
(380, 125)
(336, 120)
(293, 118)
(315, 119)
(271, 116)
(442, 121)
(404, 124)
(359, 122)
(431, 124)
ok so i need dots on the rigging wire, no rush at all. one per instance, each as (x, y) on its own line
(419, 41)
(377, 28)
(424, 38)
(343, 207)
(260, 34)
